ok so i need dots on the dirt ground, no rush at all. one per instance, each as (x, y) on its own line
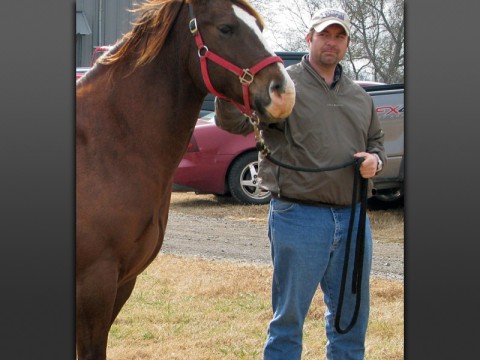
(216, 237)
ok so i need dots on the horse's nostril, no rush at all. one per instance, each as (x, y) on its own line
(277, 86)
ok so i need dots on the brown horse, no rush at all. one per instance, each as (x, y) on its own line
(135, 112)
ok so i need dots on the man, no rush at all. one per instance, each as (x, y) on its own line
(333, 121)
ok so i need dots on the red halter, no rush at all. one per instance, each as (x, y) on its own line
(245, 75)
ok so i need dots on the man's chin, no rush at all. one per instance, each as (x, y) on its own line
(329, 59)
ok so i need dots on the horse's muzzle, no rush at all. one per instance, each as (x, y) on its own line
(282, 100)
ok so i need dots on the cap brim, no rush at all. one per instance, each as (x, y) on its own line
(323, 25)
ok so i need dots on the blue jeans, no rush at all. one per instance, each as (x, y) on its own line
(308, 249)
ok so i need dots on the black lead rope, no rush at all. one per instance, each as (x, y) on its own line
(358, 182)
(359, 251)
(299, 168)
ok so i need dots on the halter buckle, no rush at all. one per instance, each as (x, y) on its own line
(247, 77)
(192, 25)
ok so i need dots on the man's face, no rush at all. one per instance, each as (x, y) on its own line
(329, 46)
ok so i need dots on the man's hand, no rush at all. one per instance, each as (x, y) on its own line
(368, 168)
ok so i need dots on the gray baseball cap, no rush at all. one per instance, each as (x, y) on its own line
(326, 17)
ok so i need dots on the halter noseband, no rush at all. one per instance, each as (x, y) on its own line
(245, 76)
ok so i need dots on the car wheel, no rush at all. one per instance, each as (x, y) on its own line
(389, 195)
(243, 180)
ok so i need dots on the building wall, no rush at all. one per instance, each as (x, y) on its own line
(108, 21)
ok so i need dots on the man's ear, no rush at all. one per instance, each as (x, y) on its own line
(308, 37)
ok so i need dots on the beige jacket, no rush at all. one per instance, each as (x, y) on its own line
(327, 126)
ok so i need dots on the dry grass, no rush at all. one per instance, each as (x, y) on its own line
(387, 225)
(217, 206)
(190, 308)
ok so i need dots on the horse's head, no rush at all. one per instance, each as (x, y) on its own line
(235, 59)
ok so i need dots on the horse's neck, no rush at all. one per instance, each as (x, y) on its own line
(153, 109)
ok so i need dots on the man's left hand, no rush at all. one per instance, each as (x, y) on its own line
(368, 168)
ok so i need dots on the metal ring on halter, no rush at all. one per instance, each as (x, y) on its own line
(255, 122)
(204, 49)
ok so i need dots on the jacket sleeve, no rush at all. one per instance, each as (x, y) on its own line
(229, 118)
(376, 137)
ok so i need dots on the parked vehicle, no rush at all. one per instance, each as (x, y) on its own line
(97, 52)
(390, 107)
(221, 163)
(80, 71)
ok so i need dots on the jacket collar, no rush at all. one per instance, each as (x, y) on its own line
(336, 77)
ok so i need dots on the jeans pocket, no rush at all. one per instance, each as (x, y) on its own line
(282, 206)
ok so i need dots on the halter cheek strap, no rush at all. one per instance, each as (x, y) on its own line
(245, 76)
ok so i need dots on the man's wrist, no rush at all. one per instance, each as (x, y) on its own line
(379, 163)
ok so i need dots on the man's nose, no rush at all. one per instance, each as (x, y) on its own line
(331, 40)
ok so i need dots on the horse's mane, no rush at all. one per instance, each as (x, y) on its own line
(152, 27)
(157, 17)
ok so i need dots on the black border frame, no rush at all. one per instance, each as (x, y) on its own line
(37, 180)
(441, 268)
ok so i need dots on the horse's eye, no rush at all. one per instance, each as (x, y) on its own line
(226, 29)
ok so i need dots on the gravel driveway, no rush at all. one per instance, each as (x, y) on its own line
(244, 241)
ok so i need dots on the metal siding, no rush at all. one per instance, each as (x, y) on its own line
(89, 8)
(82, 26)
(115, 22)
(117, 19)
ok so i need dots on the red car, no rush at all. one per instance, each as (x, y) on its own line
(80, 71)
(221, 163)
(97, 52)
(218, 162)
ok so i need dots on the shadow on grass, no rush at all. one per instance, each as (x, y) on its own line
(205, 200)
(375, 204)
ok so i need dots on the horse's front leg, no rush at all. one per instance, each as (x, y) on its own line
(123, 293)
(95, 299)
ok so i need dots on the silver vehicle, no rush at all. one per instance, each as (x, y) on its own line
(389, 104)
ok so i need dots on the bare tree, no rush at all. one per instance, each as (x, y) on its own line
(376, 51)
